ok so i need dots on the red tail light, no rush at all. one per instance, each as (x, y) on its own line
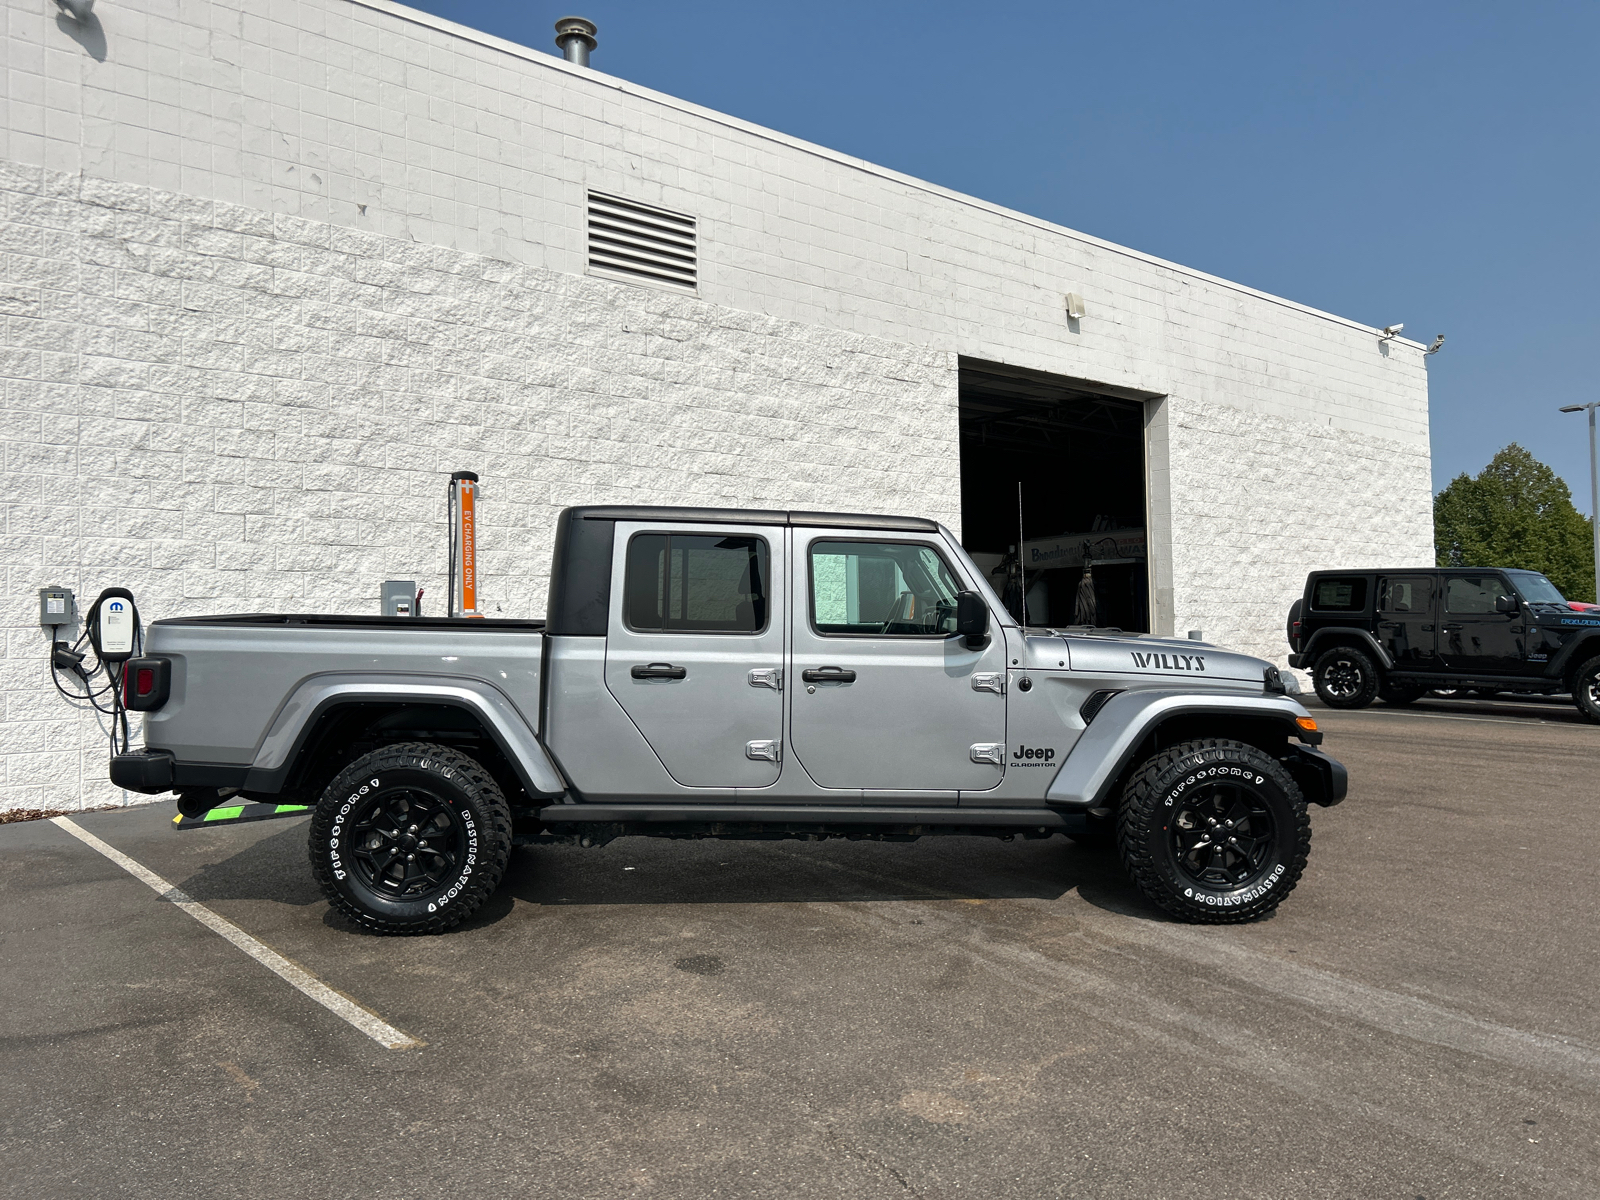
(145, 683)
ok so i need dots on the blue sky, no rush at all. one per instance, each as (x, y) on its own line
(1436, 164)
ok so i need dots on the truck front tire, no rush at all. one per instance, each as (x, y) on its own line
(1345, 678)
(1586, 689)
(411, 838)
(1214, 832)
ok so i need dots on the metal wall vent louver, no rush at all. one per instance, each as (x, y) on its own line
(634, 241)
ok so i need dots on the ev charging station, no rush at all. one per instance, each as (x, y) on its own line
(115, 637)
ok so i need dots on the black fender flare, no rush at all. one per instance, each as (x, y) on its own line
(1572, 655)
(1330, 636)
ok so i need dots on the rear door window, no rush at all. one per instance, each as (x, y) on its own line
(1340, 594)
(695, 583)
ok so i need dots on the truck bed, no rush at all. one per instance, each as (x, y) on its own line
(235, 676)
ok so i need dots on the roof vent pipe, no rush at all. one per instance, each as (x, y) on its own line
(576, 38)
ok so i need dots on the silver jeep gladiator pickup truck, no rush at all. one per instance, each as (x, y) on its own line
(715, 673)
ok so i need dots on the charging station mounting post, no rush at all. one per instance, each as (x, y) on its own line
(464, 544)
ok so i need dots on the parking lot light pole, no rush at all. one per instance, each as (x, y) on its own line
(1594, 488)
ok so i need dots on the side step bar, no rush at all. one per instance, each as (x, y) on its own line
(771, 814)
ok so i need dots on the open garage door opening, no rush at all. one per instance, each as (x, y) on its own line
(1079, 458)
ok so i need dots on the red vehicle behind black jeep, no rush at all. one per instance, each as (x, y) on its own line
(1394, 635)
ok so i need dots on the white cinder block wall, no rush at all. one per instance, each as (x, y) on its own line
(271, 271)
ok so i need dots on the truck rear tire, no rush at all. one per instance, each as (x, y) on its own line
(411, 838)
(1345, 678)
(1214, 832)
(1586, 689)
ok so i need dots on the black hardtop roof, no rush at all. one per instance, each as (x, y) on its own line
(748, 516)
(1413, 570)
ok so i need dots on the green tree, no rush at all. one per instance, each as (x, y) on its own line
(1516, 513)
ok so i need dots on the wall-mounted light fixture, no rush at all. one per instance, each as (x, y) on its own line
(1074, 306)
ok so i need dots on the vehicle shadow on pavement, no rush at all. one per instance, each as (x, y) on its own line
(270, 868)
(653, 871)
(656, 871)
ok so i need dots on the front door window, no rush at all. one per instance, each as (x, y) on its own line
(881, 589)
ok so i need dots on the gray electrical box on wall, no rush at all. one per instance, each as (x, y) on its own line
(399, 598)
(56, 607)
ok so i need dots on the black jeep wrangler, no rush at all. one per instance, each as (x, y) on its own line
(1398, 634)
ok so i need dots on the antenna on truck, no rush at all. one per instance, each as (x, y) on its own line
(1022, 559)
(463, 515)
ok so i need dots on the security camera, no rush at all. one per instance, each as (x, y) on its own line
(1390, 331)
(1437, 343)
(78, 10)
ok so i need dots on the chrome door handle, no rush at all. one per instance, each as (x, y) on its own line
(828, 675)
(1453, 627)
(659, 671)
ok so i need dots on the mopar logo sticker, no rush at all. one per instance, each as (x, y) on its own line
(1169, 662)
(1033, 756)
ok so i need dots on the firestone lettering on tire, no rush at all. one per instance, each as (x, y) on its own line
(1243, 773)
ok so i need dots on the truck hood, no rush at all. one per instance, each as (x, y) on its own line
(1166, 659)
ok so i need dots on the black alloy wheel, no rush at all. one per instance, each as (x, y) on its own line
(1345, 678)
(406, 843)
(1223, 836)
(410, 838)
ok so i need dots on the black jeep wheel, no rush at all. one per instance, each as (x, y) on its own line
(1586, 689)
(1345, 678)
(410, 838)
(1213, 831)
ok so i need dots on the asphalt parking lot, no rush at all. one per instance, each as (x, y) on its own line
(953, 1017)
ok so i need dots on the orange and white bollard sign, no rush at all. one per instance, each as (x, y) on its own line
(464, 536)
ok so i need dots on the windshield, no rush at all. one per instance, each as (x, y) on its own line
(1535, 588)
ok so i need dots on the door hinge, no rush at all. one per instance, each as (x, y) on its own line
(764, 751)
(989, 681)
(989, 752)
(767, 677)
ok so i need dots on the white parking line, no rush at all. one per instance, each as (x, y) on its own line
(340, 1006)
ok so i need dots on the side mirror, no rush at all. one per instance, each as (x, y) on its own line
(972, 619)
(1507, 604)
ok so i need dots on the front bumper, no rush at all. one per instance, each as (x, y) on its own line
(1322, 778)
